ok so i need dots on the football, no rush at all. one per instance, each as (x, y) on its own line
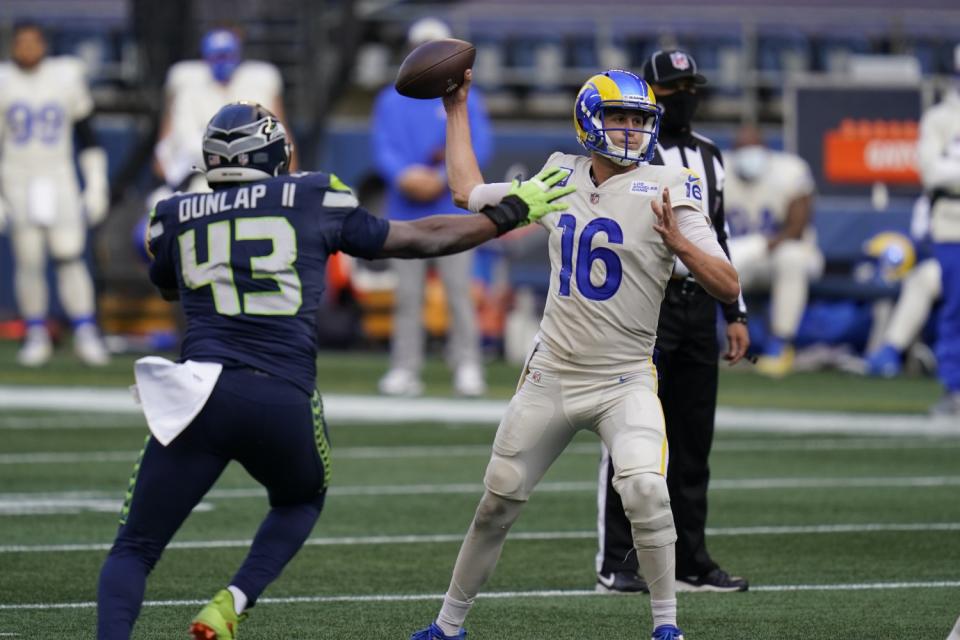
(435, 68)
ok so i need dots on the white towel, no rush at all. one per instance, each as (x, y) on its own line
(172, 394)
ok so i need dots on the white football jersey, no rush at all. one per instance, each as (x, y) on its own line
(37, 111)
(760, 206)
(608, 266)
(195, 97)
(939, 155)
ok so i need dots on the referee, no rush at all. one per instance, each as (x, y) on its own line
(687, 355)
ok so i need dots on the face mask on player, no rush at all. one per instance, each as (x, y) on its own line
(749, 162)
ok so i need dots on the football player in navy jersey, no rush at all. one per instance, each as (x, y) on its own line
(248, 262)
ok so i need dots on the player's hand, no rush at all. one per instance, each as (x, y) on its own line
(666, 224)
(738, 341)
(539, 195)
(421, 183)
(459, 97)
(96, 202)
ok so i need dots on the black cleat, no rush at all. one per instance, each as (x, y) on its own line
(714, 580)
(620, 582)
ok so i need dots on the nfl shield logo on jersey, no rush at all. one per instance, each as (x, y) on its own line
(679, 60)
(594, 198)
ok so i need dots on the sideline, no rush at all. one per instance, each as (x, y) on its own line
(378, 409)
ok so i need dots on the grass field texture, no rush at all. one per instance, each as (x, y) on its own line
(842, 537)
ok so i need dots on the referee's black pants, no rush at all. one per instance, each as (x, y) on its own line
(687, 365)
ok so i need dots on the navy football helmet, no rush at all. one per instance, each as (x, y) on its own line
(244, 142)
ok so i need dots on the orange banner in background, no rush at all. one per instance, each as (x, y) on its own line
(868, 151)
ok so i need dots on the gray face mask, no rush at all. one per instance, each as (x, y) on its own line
(749, 162)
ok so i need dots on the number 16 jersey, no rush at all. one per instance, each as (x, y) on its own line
(608, 265)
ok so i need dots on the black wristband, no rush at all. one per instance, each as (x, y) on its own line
(508, 214)
(737, 317)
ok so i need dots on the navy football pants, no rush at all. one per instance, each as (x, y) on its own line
(276, 431)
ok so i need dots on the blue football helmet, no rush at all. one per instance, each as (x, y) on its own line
(616, 89)
(244, 142)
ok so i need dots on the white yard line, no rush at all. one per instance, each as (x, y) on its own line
(437, 538)
(719, 484)
(493, 595)
(483, 450)
(377, 409)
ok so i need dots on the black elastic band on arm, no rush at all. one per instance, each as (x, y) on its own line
(508, 214)
(83, 131)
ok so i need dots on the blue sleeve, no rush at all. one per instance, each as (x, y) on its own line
(363, 234)
(389, 154)
(480, 130)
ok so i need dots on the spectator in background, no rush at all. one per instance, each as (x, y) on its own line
(195, 90)
(44, 104)
(769, 206)
(919, 292)
(939, 158)
(408, 145)
(686, 360)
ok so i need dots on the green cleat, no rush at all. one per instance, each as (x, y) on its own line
(218, 620)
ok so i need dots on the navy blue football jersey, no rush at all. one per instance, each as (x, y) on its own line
(250, 264)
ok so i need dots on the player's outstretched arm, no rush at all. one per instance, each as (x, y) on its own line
(711, 269)
(463, 171)
(442, 235)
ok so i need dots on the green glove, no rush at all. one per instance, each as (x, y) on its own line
(538, 194)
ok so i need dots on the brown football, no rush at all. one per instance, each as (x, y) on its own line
(435, 68)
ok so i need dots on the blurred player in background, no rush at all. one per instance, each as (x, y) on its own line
(246, 388)
(408, 148)
(195, 90)
(939, 157)
(687, 355)
(769, 206)
(920, 290)
(591, 367)
(44, 104)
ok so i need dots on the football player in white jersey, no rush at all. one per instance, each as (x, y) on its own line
(195, 90)
(611, 256)
(769, 202)
(920, 290)
(44, 103)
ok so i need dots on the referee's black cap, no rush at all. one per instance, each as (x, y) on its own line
(670, 65)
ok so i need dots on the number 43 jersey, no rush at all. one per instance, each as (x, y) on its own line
(608, 266)
(249, 263)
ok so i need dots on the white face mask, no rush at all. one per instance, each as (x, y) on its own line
(749, 162)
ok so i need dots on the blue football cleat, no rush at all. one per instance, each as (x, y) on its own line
(884, 362)
(433, 632)
(667, 632)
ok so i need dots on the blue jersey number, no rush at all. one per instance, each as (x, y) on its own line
(586, 257)
(45, 123)
(741, 223)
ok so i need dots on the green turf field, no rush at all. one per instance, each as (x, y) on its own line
(842, 537)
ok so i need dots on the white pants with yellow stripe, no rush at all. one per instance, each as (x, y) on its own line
(554, 401)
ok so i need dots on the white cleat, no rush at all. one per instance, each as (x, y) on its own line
(468, 381)
(37, 348)
(89, 346)
(401, 382)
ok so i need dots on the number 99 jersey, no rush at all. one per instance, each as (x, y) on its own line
(38, 110)
(608, 266)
